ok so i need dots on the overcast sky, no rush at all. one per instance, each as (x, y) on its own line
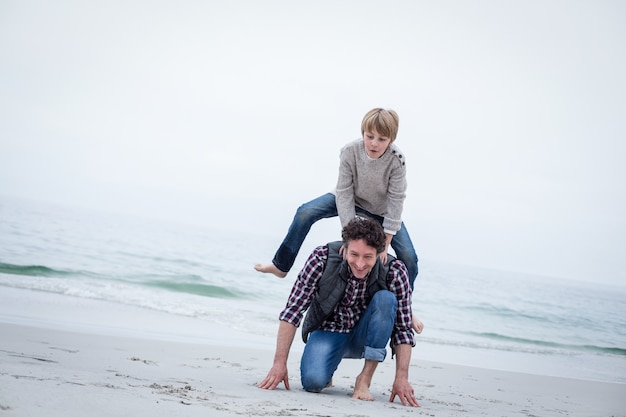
(232, 113)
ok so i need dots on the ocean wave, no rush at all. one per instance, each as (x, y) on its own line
(525, 346)
(163, 260)
(507, 312)
(182, 283)
(520, 341)
(206, 290)
(34, 270)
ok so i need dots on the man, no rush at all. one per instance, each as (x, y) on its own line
(355, 305)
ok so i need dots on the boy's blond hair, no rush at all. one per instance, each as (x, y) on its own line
(385, 122)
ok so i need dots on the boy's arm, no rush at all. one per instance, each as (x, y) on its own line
(383, 254)
(396, 194)
(344, 193)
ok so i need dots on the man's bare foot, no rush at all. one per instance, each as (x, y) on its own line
(270, 268)
(362, 389)
(418, 326)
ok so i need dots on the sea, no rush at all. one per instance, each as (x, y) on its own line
(473, 316)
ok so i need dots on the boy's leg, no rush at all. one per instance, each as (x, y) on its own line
(403, 247)
(321, 357)
(306, 215)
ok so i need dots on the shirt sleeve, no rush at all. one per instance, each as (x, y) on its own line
(396, 194)
(303, 289)
(344, 192)
(398, 283)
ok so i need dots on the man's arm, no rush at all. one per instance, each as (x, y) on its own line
(401, 386)
(278, 373)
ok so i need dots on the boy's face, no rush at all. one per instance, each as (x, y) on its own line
(375, 144)
(361, 257)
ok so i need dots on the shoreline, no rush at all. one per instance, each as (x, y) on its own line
(73, 357)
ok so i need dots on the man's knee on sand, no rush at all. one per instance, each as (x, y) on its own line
(314, 379)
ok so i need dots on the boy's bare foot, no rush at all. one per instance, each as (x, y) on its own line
(270, 268)
(362, 389)
(418, 326)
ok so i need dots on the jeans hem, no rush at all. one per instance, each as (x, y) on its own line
(375, 354)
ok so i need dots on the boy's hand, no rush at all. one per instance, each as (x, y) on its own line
(383, 257)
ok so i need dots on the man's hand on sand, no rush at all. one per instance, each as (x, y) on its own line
(275, 376)
(403, 390)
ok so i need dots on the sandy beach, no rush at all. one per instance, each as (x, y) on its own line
(64, 356)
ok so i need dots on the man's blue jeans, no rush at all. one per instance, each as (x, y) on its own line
(324, 207)
(324, 350)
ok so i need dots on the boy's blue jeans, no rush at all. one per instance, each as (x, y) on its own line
(324, 207)
(324, 350)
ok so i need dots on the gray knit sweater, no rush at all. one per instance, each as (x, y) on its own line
(376, 185)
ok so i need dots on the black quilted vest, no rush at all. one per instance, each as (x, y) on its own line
(332, 286)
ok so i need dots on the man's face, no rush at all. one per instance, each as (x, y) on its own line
(361, 257)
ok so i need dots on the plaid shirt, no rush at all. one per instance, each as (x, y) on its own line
(354, 302)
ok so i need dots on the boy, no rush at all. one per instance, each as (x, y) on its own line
(371, 182)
